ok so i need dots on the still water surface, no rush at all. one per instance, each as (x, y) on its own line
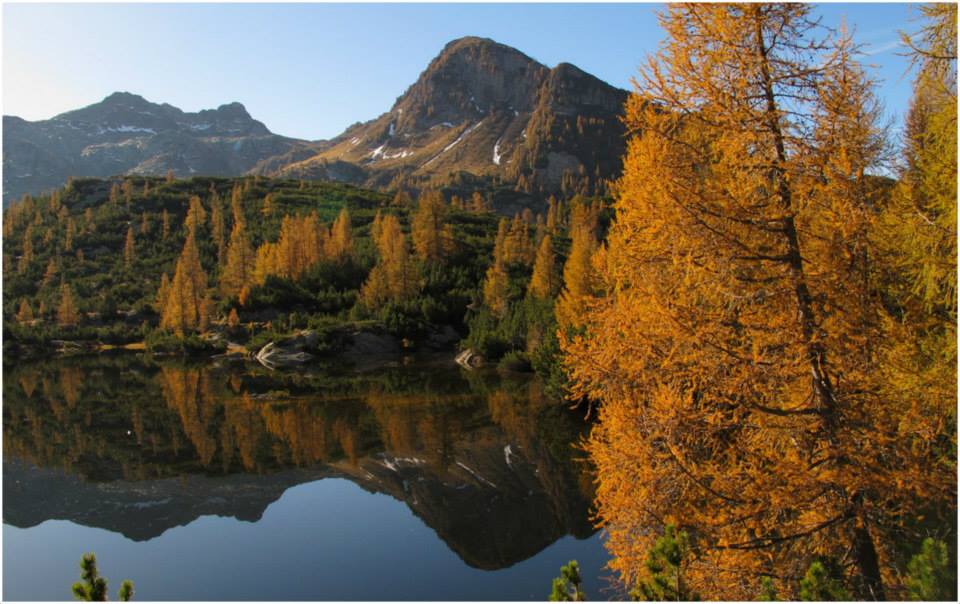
(230, 482)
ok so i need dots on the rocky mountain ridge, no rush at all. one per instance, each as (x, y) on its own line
(481, 113)
(489, 110)
(127, 134)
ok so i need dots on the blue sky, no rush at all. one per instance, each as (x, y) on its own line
(311, 70)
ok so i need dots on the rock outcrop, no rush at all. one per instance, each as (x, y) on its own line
(469, 359)
(291, 352)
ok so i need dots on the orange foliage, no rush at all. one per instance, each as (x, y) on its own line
(183, 304)
(394, 277)
(733, 352)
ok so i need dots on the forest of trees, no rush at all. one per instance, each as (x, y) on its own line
(769, 331)
(186, 265)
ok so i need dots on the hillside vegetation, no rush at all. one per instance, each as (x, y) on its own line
(192, 264)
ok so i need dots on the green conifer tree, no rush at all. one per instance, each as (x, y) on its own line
(664, 565)
(823, 583)
(568, 586)
(930, 574)
(92, 587)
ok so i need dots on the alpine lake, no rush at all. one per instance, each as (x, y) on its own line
(224, 480)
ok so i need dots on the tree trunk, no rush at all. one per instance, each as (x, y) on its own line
(869, 583)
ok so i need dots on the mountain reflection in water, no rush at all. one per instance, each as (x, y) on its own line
(137, 447)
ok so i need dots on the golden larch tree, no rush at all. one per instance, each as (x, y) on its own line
(67, 314)
(218, 227)
(915, 253)
(339, 245)
(26, 257)
(25, 313)
(393, 278)
(238, 269)
(127, 188)
(427, 225)
(496, 283)
(196, 214)
(402, 199)
(579, 282)
(128, 248)
(517, 248)
(162, 290)
(266, 263)
(544, 281)
(69, 234)
(733, 353)
(53, 268)
(165, 224)
(478, 203)
(183, 304)
(301, 244)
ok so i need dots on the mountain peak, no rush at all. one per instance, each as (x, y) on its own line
(475, 48)
(468, 42)
(124, 99)
(469, 78)
(126, 134)
(234, 110)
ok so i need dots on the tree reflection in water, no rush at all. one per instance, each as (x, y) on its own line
(485, 460)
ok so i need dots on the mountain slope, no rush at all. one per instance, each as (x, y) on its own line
(126, 134)
(482, 113)
(487, 109)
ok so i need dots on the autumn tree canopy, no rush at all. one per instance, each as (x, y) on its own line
(238, 270)
(734, 354)
(427, 227)
(394, 277)
(183, 307)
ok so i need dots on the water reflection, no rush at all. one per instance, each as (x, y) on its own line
(137, 446)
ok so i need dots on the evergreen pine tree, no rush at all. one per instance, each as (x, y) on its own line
(930, 574)
(823, 582)
(568, 586)
(768, 590)
(664, 569)
(92, 587)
